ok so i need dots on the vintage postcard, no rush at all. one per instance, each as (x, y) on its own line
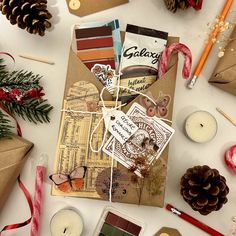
(151, 128)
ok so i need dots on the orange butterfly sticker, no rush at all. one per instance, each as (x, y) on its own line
(72, 182)
(161, 107)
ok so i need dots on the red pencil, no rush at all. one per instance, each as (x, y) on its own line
(193, 221)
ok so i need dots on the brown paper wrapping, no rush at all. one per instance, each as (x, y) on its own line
(13, 154)
(91, 6)
(224, 75)
(77, 71)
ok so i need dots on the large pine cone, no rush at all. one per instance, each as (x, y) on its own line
(31, 15)
(173, 5)
(204, 189)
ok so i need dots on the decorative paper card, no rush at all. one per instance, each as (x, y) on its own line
(73, 150)
(149, 129)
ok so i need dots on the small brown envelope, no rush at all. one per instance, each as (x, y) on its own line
(13, 153)
(86, 7)
(224, 75)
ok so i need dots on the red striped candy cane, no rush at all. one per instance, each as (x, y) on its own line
(167, 53)
(229, 158)
(40, 171)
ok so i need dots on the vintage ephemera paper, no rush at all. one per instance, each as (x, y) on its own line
(73, 148)
(151, 128)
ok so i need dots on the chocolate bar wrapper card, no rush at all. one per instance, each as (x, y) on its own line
(224, 75)
(87, 7)
(13, 154)
(83, 88)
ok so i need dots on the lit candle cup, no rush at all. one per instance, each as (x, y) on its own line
(201, 127)
(66, 222)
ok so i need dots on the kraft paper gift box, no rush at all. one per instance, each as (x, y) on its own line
(76, 72)
(86, 7)
(13, 154)
(224, 75)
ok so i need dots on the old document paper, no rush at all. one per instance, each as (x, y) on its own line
(73, 149)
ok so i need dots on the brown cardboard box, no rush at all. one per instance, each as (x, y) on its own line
(77, 71)
(13, 154)
(224, 75)
(91, 6)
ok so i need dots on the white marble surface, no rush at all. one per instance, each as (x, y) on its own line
(191, 27)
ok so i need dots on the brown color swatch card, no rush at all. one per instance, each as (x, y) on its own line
(123, 190)
(87, 7)
(95, 46)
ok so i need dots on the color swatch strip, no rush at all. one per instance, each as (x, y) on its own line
(95, 46)
(88, 55)
(115, 225)
(93, 32)
(94, 43)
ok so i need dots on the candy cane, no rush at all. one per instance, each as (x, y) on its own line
(167, 53)
(40, 171)
(229, 158)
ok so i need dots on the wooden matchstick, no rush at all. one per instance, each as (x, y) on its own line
(43, 60)
(226, 116)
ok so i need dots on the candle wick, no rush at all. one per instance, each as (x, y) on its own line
(64, 230)
(201, 125)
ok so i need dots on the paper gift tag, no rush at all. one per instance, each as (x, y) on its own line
(86, 7)
(165, 231)
(119, 125)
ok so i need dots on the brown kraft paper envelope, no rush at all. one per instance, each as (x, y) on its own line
(13, 154)
(91, 6)
(224, 75)
(77, 71)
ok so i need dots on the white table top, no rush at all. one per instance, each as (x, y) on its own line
(190, 26)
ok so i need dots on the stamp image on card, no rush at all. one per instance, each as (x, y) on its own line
(152, 128)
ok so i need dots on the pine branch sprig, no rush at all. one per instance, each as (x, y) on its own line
(18, 79)
(34, 110)
(5, 127)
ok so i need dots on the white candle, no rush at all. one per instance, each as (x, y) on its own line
(201, 126)
(66, 222)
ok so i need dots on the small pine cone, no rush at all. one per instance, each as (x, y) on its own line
(31, 15)
(183, 4)
(171, 5)
(204, 189)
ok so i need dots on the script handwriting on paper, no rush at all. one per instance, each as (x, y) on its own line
(119, 125)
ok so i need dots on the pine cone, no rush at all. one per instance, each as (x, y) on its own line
(173, 5)
(183, 4)
(31, 15)
(204, 189)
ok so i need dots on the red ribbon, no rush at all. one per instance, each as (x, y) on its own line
(28, 198)
(197, 5)
(21, 185)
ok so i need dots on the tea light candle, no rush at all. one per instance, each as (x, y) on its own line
(201, 127)
(66, 222)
